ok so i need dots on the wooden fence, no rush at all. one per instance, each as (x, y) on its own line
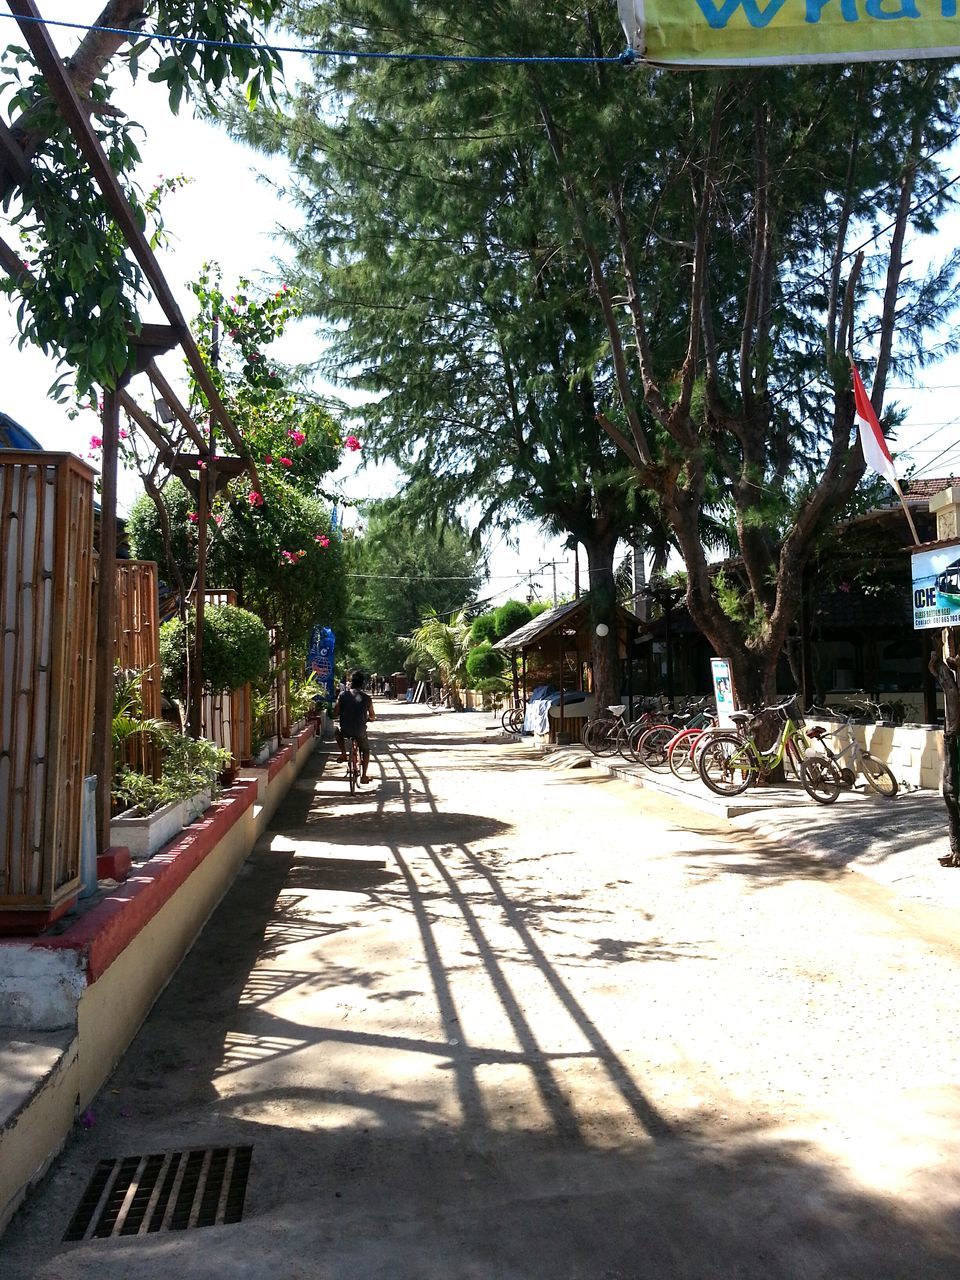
(47, 643)
(138, 648)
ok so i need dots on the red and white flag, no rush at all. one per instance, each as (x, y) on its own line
(875, 451)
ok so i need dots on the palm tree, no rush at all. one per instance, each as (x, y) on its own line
(445, 646)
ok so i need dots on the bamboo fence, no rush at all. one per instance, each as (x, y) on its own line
(47, 645)
(138, 648)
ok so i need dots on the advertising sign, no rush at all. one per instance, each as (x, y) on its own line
(936, 588)
(320, 657)
(723, 691)
(718, 33)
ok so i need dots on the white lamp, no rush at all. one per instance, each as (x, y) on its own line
(602, 629)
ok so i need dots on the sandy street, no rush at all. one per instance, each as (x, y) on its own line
(568, 1031)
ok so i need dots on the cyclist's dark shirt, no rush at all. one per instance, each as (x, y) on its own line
(354, 708)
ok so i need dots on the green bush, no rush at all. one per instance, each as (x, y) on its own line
(510, 616)
(236, 648)
(484, 628)
(484, 663)
(189, 767)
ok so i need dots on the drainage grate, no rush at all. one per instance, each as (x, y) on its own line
(170, 1191)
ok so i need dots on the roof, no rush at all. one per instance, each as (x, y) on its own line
(13, 436)
(924, 490)
(539, 626)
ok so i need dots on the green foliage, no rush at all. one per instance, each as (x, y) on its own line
(128, 718)
(443, 647)
(190, 766)
(303, 695)
(484, 663)
(511, 616)
(408, 568)
(236, 648)
(281, 558)
(484, 628)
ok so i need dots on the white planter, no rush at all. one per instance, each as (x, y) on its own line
(143, 836)
(196, 806)
(269, 748)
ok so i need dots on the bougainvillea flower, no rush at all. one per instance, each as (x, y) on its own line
(268, 458)
(255, 499)
(96, 442)
(193, 517)
(122, 434)
(285, 462)
(298, 437)
(352, 443)
(322, 539)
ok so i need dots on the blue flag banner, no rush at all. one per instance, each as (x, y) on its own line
(320, 657)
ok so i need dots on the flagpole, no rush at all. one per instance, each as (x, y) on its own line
(906, 512)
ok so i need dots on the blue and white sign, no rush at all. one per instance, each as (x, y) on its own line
(320, 657)
(936, 588)
(723, 691)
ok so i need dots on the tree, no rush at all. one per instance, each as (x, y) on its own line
(445, 646)
(406, 569)
(448, 303)
(533, 250)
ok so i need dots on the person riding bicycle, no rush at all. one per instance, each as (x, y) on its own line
(354, 708)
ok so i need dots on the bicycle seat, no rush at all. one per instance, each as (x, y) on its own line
(818, 732)
(618, 711)
(741, 717)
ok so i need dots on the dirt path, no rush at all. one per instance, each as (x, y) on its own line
(568, 1032)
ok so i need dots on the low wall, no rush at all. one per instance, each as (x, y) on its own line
(82, 993)
(912, 752)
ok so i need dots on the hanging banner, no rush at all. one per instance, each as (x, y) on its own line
(723, 692)
(320, 657)
(723, 33)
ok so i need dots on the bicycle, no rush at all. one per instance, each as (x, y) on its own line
(652, 746)
(879, 777)
(353, 762)
(512, 718)
(607, 734)
(731, 762)
(683, 751)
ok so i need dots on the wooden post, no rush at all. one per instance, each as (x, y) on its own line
(106, 620)
(196, 670)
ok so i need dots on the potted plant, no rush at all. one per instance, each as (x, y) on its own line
(155, 810)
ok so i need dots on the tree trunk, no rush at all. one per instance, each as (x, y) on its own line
(604, 649)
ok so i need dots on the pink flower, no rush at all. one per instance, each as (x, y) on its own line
(322, 539)
(255, 499)
(268, 457)
(298, 437)
(122, 434)
(352, 443)
(288, 557)
(218, 520)
(285, 462)
(96, 442)
(193, 517)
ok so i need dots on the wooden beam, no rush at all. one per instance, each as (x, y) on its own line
(170, 396)
(106, 620)
(11, 155)
(74, 113)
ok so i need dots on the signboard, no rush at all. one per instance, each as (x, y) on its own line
(320, 657)
(723, 691)
(936, 588)
(719, 33)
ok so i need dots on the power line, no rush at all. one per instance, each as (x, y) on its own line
(627, 58)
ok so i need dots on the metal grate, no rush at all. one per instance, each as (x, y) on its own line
(169, 1191)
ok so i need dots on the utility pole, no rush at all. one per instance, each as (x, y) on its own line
(552, 564)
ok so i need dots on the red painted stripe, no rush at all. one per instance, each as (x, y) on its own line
(281, 759)
(103, 932)
(305, 735)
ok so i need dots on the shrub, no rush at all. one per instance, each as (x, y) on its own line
(484, 663)
(484, 628)
(236, 648)
(510, 616)
(190, 766)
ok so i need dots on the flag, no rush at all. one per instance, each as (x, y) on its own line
(875, 451)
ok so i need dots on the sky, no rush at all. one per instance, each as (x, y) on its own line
(230, 211)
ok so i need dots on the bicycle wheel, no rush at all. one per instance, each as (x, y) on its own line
(820, 778)
(680, 756)
(727, 765)
(594, 734)
(652, 747)
(878, 776)
(353, 768)
(505, 718)
(608, 737)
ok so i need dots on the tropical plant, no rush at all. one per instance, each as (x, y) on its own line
(444, 647)
(236, 649)
(128, 718)
(190, 767)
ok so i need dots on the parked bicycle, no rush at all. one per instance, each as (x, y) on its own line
(607, 734)
(733, 761)
(512, 718)
(851, 759)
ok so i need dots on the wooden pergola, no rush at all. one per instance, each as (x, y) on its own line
(183, 446)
